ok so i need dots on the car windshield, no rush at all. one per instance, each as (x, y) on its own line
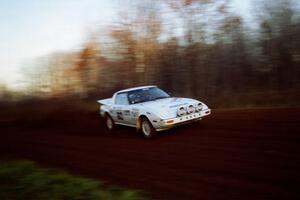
(146, 94)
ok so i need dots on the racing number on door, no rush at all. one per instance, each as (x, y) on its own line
(120, 115)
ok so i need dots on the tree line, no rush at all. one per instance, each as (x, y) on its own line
(195, 48)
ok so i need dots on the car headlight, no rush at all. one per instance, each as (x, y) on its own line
(191, 109)
(199, 107)
(181, 111)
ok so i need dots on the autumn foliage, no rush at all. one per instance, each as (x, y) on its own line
(194, 48)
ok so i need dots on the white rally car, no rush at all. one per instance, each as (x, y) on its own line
(150, 109)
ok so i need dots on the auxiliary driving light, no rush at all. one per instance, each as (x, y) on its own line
(199, 107)
(191, 109)
(181, 111)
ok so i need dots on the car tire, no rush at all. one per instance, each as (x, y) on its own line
(147, 129)
(109, 123)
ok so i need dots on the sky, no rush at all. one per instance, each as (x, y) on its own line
(34, 28)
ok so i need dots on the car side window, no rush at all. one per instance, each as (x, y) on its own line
(121, 99)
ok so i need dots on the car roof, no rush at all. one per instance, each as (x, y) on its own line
(136, 88)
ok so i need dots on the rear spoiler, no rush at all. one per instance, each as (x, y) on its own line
(105, 101)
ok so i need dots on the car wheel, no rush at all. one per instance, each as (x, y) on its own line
(109, 122)
(147, 128)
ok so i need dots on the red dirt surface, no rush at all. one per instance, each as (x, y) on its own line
(232, 154)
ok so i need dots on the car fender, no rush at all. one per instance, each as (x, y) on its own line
(104, 106)
(153, 118)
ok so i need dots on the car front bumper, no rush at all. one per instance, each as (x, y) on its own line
(169, 123)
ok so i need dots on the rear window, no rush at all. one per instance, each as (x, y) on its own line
(122, 99)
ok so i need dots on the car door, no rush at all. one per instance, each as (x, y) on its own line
(122, 109)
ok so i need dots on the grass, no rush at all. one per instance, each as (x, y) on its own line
(25, 180)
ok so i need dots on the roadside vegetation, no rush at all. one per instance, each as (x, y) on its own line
(25, 180)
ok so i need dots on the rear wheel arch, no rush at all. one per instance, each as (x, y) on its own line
(106, 113)
(107, 117)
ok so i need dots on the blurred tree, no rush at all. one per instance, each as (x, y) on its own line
(191, 13)
(195, 48)
(171, 72)
(5, 93)
(46, 76)
(87, 68)
(126, 48)
(136, 35)
(276, 24)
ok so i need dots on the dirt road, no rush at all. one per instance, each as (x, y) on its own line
(232, 154)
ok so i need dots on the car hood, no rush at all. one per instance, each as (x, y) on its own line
(167, 108)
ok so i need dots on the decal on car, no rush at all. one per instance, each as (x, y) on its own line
(126, 112)
(120, 115)
(135, 112)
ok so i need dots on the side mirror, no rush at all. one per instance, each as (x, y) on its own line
(170, 93)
